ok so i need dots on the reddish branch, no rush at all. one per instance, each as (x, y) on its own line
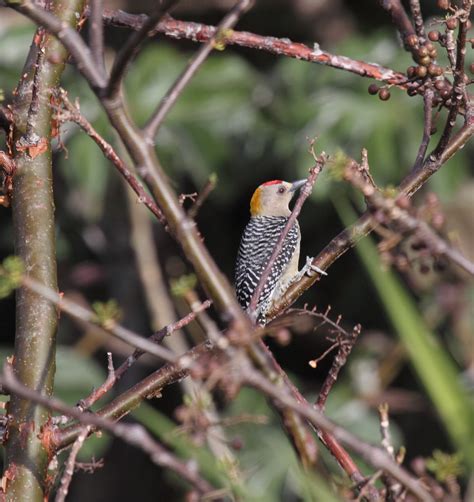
(73, 114)
(197, 32)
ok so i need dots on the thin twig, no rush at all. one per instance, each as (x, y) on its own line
(79, 312)
(203, 195)
(128, 51)
(74, 115)
(346, 345)
(161, 334)
(394, 488)
(96, 394)
(70, 464)
(135, 435)
(304, 194)
(158, 116)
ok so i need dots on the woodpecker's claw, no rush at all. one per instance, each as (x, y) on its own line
(309, 268)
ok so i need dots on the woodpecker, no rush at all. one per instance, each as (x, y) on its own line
(269, 214)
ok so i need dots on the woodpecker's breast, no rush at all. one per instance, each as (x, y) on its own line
(256, 247)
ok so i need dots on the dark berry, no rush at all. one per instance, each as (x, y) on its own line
(411, 71)
(384, 94)
(452, 23)
(373, 89)
(434, 36)
(421, 71)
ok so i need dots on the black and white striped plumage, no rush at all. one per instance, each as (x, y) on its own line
(256, 247)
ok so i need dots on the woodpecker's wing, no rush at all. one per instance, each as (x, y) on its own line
(256, 247)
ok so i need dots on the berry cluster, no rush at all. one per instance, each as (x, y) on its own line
(427, 73)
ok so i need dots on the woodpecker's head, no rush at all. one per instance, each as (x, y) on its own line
(273, 197)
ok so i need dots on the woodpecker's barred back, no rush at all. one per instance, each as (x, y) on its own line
(269, 215)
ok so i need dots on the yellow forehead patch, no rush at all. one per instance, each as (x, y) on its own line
(255, 203)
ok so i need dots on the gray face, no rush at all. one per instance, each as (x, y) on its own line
(272, 199)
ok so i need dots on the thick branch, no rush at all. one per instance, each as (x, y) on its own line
(34, 233)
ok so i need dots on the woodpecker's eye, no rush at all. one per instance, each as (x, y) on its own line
(281, 190)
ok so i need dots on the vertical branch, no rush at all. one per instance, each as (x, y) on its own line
(33, 220)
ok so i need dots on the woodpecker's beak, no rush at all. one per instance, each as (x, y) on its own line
(296, 185)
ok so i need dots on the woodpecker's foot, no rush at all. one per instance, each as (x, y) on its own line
(309, 269)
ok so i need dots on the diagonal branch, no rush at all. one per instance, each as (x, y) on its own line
(405, 221)
(74, 115)
(78, 312)
(154, 123)
(372, 454)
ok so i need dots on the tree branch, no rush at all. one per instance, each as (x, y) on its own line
(34, 235)
(230, 20)
(279, 46)
(128, 51)
(135, 435)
